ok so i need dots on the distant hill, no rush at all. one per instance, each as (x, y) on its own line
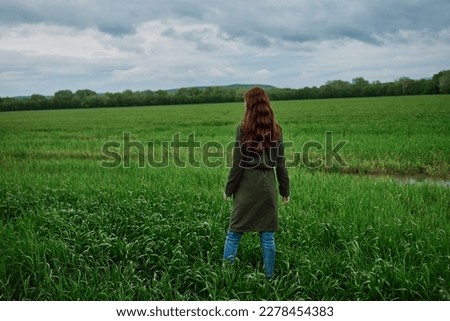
(243, 86)
(232, 86)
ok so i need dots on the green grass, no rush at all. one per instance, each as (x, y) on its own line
(72, 230)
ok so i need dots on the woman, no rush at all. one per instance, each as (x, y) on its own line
(251, 181)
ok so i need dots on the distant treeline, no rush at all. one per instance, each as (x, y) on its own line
(359, 87)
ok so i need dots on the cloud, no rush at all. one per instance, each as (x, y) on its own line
(114, 17)
(113, 45)
(261, 20)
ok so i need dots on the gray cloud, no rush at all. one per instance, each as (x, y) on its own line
(114, 17)
(302, 20)
(199, 37)
(260, 20)
(111, 44)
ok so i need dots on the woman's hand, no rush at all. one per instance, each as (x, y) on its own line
(286, 199)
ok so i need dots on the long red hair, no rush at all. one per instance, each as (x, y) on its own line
(259, 127)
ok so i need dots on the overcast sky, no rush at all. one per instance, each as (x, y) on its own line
(112, 45)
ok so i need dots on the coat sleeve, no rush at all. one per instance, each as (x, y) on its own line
(234, 176)
(281, 171)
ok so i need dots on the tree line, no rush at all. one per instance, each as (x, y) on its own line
(359, 87)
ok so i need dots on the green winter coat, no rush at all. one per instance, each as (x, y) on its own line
(251, 182)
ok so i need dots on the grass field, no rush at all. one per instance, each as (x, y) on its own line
(71, 229)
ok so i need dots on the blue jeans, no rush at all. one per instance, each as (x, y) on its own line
(267, 240)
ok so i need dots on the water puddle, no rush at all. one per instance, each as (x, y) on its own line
(430, 181)
(415, 180)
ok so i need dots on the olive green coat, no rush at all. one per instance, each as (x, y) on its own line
(251, 182)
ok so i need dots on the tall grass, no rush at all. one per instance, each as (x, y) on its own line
(72, 230)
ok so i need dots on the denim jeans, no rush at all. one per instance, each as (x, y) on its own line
(267, 240)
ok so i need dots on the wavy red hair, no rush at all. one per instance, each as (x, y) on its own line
(259, 127)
